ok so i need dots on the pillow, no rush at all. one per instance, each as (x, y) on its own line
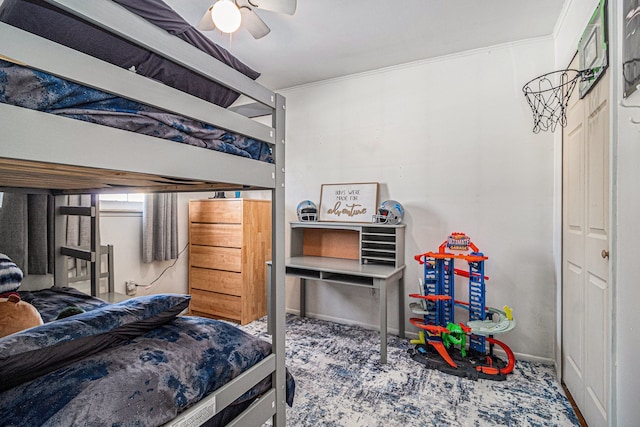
(16, 315)
(29, 354)
(10, 275)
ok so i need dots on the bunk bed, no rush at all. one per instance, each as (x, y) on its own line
(60, 155)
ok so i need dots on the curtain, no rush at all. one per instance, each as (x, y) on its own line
(26, 231)
(78, 227)
(78, 233)
(160, 227)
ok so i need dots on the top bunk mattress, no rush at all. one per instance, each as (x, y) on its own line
(30, 88)
(47, 21)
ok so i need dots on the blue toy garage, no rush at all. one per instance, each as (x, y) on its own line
(442, 343)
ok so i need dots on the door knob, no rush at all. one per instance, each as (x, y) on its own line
(604, 253)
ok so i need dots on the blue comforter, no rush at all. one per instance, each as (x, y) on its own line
(33, 89)
(146, 382)
(137, 365)
(50, 302)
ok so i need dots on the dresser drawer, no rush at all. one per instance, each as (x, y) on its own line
(224, 282)
(215, 304)
(227, 235)
(216, 211)
(229, 259)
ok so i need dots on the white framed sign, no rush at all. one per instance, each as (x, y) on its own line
(348, 202)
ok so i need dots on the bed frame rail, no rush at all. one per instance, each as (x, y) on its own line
(36, 52)
(225, 395)
(101, 165)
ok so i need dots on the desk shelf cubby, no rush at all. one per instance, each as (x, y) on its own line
(367, 243)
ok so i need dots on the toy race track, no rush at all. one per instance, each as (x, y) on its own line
(442, 343)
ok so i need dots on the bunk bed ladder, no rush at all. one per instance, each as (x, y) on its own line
(91, 254)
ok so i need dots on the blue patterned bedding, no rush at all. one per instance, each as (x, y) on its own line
(145, 378)
(50, 302)
(29, 88)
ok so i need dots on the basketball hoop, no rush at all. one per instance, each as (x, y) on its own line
(548, 96)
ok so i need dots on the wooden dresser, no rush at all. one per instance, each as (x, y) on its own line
(229, 245)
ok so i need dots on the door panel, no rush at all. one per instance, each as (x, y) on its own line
(597, 265)
(585, 246)
(573, 320)
(597, 357)
(573, 230)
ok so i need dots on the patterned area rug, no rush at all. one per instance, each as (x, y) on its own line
(340, 382)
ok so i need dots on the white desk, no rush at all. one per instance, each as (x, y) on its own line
(352, 273)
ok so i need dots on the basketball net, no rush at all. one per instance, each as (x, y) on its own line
(548, 97)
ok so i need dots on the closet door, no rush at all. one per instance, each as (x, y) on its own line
(585, 276)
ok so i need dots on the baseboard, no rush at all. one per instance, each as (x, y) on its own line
(413, 335)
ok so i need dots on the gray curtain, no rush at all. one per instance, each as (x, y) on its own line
(160, 227)
(26, 231)
(78, 227)
(78, 230)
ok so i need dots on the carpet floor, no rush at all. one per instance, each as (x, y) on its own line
(341, 382)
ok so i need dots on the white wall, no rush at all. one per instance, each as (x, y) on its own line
(451, 140)
(124, 231)
(626, 200)
(627, 289)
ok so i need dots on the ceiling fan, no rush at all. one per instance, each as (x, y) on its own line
(228, 15)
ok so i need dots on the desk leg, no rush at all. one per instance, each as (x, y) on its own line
(401, 307)
(303, 293)
(381, 284)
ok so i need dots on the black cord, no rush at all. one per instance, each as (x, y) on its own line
(163, 271)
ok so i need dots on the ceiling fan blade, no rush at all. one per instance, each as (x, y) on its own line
(206, 23)
(281, 6)
(253, 23)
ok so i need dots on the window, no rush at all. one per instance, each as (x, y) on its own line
(132, 197)
(121, 202)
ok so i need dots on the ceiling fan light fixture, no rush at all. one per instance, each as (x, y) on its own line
(226, 16)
